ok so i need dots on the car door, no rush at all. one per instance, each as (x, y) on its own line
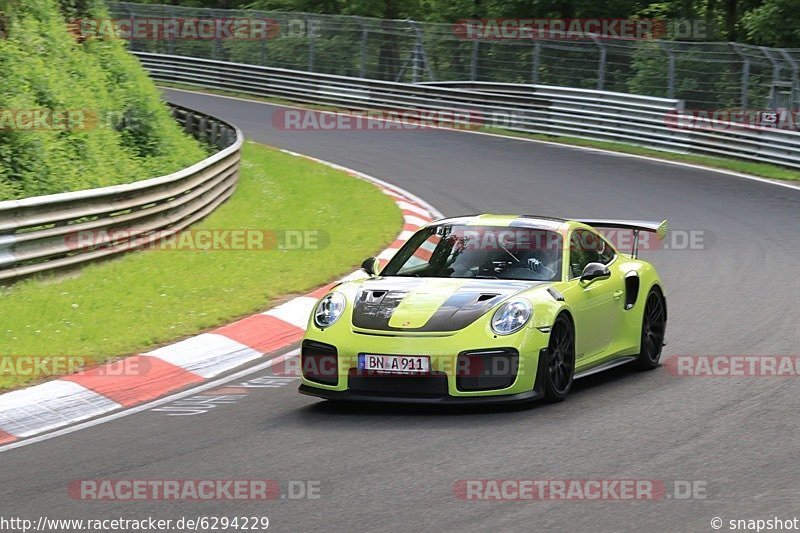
(597, 304)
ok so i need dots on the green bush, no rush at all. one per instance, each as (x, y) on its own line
(122, 131)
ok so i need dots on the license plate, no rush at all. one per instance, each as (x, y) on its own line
(395, 364)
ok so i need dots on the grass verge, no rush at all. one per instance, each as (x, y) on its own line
(146, 298)
(763, 170)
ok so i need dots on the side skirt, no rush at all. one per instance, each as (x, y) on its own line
(604, 366)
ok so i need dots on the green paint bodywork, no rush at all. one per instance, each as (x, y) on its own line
(604, 329)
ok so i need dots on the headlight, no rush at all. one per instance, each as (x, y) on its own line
(329, 309)
(511, 317)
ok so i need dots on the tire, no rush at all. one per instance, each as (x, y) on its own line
(560, 367)
(654, 325)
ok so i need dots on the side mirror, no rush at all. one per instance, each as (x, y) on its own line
(595, 271)
(371, 266)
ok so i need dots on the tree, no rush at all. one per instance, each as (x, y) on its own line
(774, 23)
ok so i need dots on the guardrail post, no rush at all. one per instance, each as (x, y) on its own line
(535, 54)
(214, 135)
(601, 64)
(188, 123)
(745, 76)
(201, 128)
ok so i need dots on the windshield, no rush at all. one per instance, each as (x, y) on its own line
(457, 251)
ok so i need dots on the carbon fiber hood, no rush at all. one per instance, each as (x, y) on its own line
(429, 304)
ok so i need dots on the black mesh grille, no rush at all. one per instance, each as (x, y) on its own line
(486, 369)
(431, 385)
(319, 362)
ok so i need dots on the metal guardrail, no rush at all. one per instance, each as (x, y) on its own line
(43, 233)
(676, 132)
(589, 114)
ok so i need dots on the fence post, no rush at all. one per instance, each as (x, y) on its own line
(132, 16)
(415, 64)
(420, 57)
(601, 66)
(473, 63)
(670, 69)
(776, 76)
(364, 37)
(537, 48)
(171, 38)
(793, 65)
(310, 31)
(217, 45)
(262, 46)
(745, 76)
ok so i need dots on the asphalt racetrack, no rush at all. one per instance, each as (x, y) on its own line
(395, 468)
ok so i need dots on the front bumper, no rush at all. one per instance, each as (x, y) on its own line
(446, 382)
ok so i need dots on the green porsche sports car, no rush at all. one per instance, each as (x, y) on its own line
(485, 309)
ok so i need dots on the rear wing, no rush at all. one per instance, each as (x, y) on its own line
(659, 228)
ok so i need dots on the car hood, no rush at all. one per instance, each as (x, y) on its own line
(429, 304)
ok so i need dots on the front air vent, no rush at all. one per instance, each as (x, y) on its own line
(490, 369)
(557, 296)
(319, 362)
(631, 290)
(432, 385)
(486, 297)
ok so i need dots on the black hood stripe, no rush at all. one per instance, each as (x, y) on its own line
(377, 300)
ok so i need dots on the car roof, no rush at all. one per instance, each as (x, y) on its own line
(513, 221)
